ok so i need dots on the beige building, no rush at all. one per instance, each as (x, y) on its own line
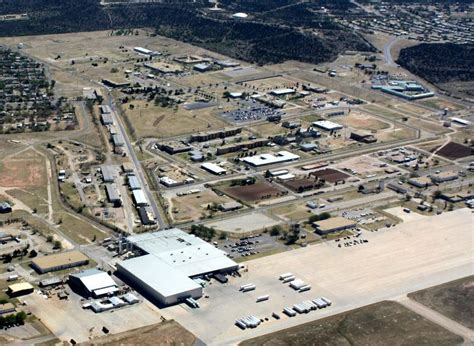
(333, 224)
(59, 261)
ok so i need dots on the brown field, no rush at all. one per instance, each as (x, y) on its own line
(384, 323)
(363, 121)
(22, 173)
(192, 207)
(453, 299)
(454, 151)
(330, 175)
(155, 121)
(255, 192)
(169, 333)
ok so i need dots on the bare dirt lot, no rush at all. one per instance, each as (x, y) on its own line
(330, 175)
(358, 120)
(192, 207)
(454, 299)
(254, 192)
(384, 323)
(168, 333)
(22, 173)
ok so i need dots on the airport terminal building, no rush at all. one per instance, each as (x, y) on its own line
(170, 260)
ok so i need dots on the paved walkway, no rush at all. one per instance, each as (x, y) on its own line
(439, 319)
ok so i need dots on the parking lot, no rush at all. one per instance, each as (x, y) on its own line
(251, 111)
(429, 251)
(250, 245)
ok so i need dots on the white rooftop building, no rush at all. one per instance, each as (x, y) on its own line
(327, 125)
(213, 168)
(93, 282)
(269, 159)
(172, 258)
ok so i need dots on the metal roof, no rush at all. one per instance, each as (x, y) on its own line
(186, 252)
(139, 197)
(158, 275)
(268, 159)
(94, 280)
(112, 192)
(134, 183)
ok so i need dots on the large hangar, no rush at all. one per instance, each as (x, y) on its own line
(170, 260)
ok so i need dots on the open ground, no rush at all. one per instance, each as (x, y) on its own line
(378, 324)
(428, 251)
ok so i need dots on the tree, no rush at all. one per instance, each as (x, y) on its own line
(33, 253)
(275, 231)
(57, 244)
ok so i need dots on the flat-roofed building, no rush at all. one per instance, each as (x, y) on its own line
(213, 168)
(134, 183)
(127, 167)
(327, 125)
(420, 182)
(7, 308)
(207, 136)
(270, 159)
(113, 194)
(443, 177)
(233, 147)
(282, 92)
(20, 289)
(118, 140)
(171, 259)
(363, 137)
(174, 147)
(139, 198)
(108, 174)
(147, 216)
(157, 281)
(333, 224)
(93, 283)
(107, 119)
(59, 261)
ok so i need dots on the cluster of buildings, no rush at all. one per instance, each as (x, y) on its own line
(418, 22)
(408, 90)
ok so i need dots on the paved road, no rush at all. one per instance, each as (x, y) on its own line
(438, 318)
(387, 53)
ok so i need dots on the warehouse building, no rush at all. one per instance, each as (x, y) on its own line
(20, 289)
(59, 261)
(363, 137)
(134, 183)
(107, 119)
(420, 182)
(282, 92)
(170, 260)
(443, 177)
(118, 140)
(139, 198)
(333, 224)
(108, 175)
(213, 168)
(269, 159)
(113, 195)
(327, 125)
(147, 216)
(93, 283)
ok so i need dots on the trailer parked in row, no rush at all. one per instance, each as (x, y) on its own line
(289, 312)
(262, 298)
